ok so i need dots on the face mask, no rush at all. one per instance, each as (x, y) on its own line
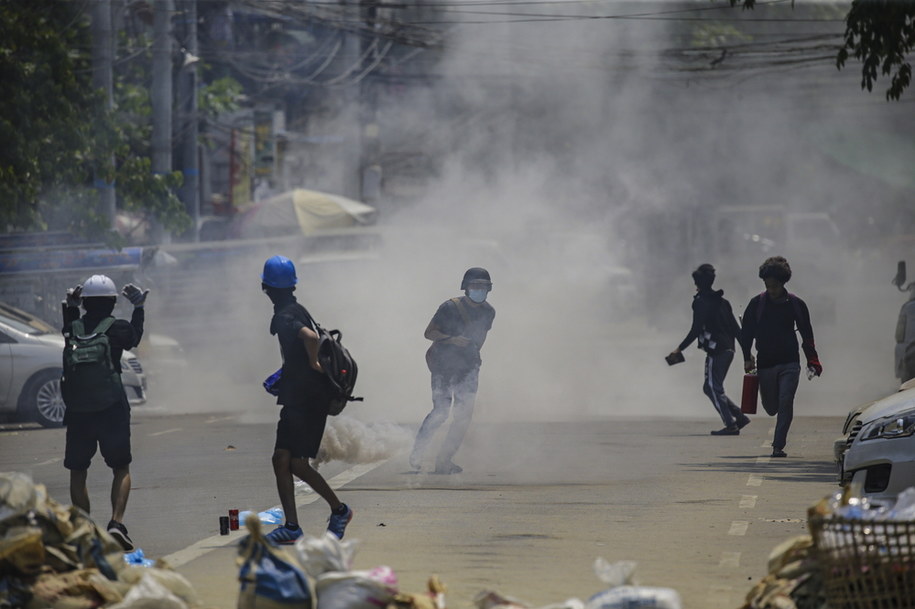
(477, 296)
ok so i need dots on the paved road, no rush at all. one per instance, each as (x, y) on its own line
(537, 503)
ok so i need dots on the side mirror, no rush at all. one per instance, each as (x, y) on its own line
(899, 279)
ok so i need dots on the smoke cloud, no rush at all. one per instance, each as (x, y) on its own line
(579, 161)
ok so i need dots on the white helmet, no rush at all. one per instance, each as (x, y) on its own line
(99, 285)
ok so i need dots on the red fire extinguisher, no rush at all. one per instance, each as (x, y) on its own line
(750, 393)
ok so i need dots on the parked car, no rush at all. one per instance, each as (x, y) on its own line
(857, 418)
(31, 356)
(882, 458)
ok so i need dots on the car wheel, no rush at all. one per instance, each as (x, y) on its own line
(41, 399)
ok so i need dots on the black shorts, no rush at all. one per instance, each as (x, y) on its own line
(300, 430)
(109, 430)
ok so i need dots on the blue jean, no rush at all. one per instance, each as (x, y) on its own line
(460, 388)
(716, 369)
(777, 386)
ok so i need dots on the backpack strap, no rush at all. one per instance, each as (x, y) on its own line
(77, 328)
(103, 325)
(458, 302)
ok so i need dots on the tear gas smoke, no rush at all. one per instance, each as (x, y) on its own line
(351, 441)
(575, 159)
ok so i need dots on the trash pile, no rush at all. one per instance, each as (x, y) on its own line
(271, 577)
(55, 557)
(858, 555)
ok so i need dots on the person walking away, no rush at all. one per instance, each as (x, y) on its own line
(770, 320)
(457, 331)
(715, 329)
(97, 414)
(304, 394)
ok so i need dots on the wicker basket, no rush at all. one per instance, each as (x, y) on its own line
(865, 564)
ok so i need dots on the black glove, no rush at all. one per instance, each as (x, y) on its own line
(136, 296)
(74, 296)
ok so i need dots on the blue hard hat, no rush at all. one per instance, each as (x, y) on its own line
(279, 272)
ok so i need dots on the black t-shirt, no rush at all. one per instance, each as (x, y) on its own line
(449, 320)
(301, 385)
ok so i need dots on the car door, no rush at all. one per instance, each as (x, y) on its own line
(6, 370)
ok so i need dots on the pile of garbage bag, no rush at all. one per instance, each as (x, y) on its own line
(271, 577)
(55, 557)
(858, 554)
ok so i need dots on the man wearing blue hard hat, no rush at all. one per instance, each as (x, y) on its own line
(304, 393)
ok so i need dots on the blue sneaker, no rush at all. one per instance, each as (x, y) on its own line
(283, 536)
(337, 522)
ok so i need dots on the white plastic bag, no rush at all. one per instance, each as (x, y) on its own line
(325, 554)
(635, 597)
(356, 589)
(148, 593)
(624, 594)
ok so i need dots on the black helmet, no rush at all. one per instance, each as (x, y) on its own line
(476, 274)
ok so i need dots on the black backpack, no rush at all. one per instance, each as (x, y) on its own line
(339, 367)
(90, 381)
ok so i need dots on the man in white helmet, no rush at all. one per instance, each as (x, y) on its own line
(98, 414)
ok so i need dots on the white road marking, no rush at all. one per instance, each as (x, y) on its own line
(218, 419)
(739, 527)
(48, 462)
(754, 480)
(198, 549)
(729, 559)
(765, 444)
(162, 433)
(747, 502)
(762, 460)
(772, 430)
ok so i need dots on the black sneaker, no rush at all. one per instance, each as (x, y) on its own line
(119, 532)
(743, 422)
(777, 452)
(727, 431)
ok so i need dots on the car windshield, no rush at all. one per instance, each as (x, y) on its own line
(23, 322)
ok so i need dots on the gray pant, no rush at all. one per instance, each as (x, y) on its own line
(461, 387)
(716, 368)
(777, 386)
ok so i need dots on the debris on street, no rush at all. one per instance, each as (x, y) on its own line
(55, 557)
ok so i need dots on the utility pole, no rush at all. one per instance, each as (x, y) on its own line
(161, 97)
(352, 136)
(190, 190)
(102, 78)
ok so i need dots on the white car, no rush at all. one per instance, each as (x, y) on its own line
(31, 358)
(858, 417)
(880, 453)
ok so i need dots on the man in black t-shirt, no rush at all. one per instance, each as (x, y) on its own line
(304, 394)
(457, 331)
(770, 319)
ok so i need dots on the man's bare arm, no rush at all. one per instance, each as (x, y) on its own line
(310, 339)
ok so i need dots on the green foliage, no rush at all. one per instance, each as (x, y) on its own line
(880, 34)
(219, 97)
(47, 112)
(59, 141)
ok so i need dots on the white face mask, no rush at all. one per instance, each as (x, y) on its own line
(477, 296)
